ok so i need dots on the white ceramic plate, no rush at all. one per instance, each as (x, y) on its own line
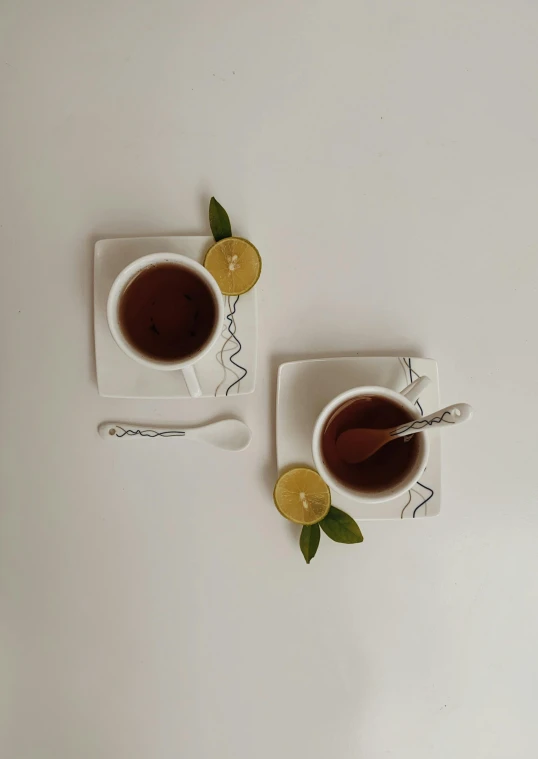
(230, 369)
(305, 387)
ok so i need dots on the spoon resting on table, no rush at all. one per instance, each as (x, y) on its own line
(228, 434)
(357, 445)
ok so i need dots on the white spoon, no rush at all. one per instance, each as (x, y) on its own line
(229, 434)
(358, 444)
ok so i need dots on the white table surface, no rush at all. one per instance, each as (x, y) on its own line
(384, 159)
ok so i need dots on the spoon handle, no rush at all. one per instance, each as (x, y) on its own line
(112, 430)
(228, 434)
(454, 414)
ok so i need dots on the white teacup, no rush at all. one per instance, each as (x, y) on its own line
(406, 400)
(186, 365)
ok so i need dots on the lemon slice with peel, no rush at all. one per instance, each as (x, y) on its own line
(235, 264)
(302, 496)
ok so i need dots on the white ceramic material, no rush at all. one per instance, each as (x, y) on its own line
(360, 444)
(369, 391)
(445, 417)
(228, 434)
(229, 368)
(113, 305)
(297, 412)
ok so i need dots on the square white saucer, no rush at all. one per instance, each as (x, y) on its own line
(305, 387)
(229, 369)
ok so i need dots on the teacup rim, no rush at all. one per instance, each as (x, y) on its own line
(120, 283)
(364, 497)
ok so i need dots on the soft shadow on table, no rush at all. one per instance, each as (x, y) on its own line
(88, 292)
(86, 279)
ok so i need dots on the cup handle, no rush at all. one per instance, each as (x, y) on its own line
(413, 391)
(191, 380)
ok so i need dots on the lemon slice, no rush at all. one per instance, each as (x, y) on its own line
(235, 263)
(301, 496)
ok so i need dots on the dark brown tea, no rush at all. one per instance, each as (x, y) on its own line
(390, 464)
(167, 312)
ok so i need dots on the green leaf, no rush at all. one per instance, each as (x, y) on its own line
(219, 221)
(340, 527)
(309, 541)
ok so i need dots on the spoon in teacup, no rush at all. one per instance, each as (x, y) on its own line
(357, 445)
